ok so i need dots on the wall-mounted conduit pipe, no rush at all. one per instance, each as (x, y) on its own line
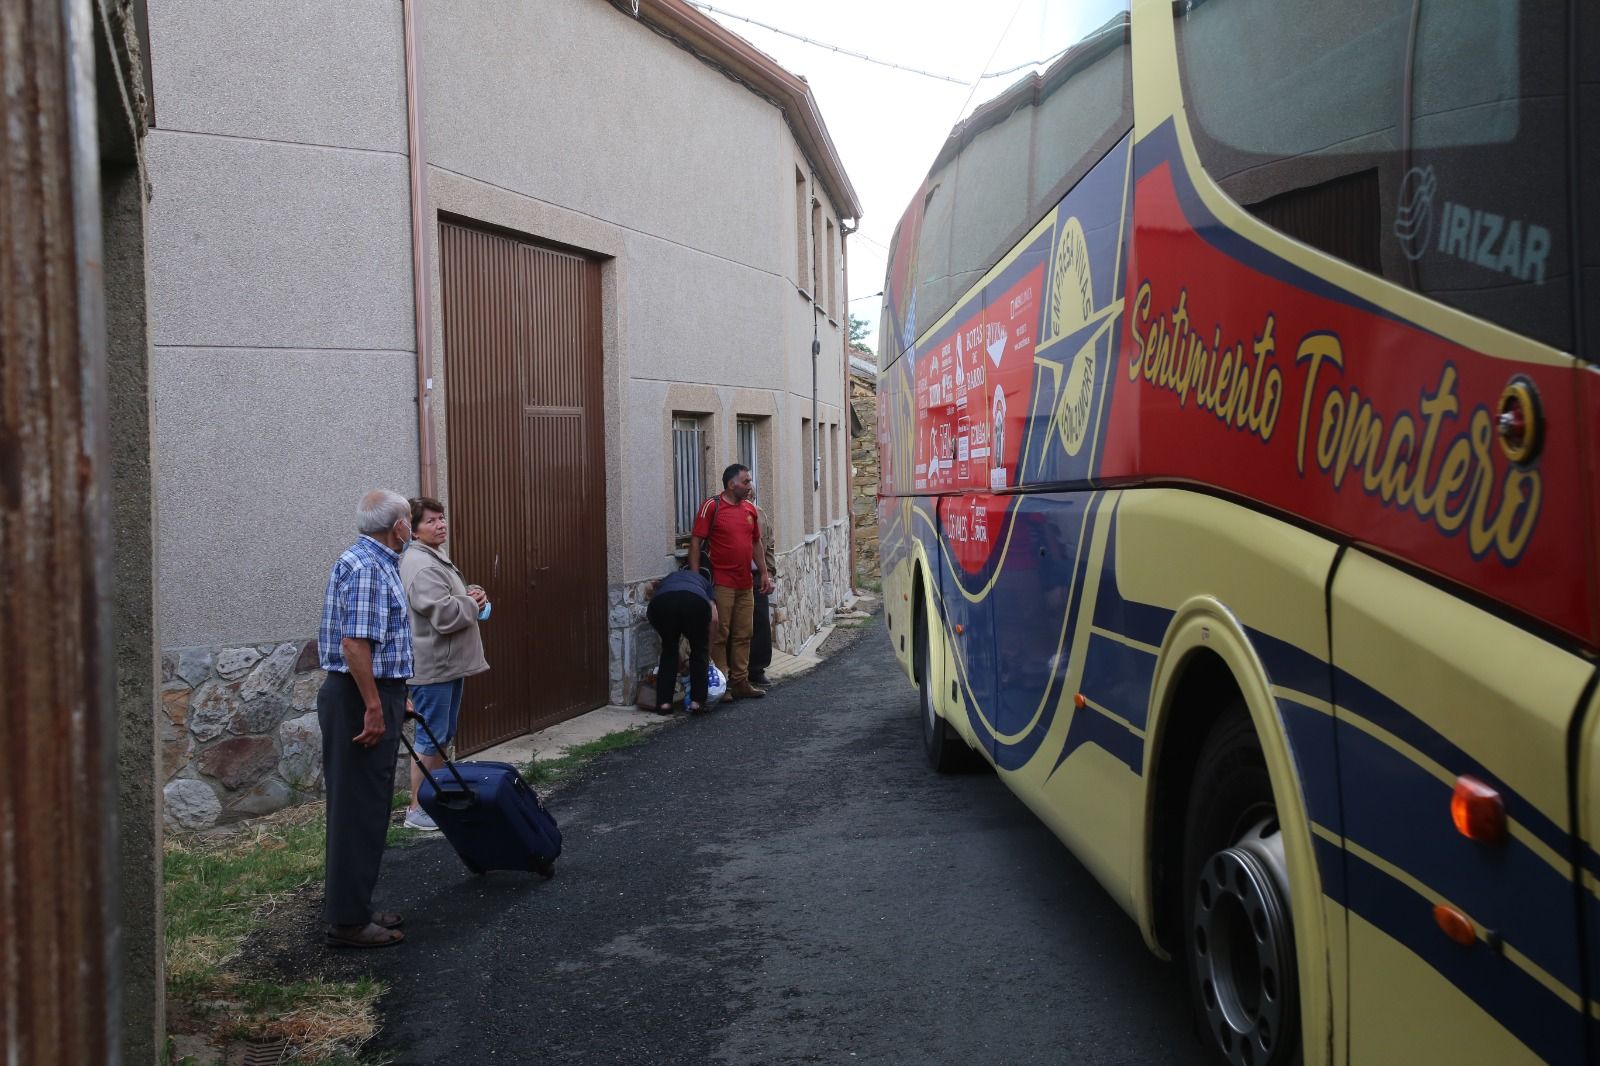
(421, 290)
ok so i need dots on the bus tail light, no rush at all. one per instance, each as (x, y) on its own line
(1455, 925)
(1478, 811)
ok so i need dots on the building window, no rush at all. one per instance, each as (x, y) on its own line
(745, 428)
(801, 243)
(808, 484)
(688, 470)
(825, 480)
(836, 506)
(828, 266)
(816, 250)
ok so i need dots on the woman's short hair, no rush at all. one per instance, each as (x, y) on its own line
(420, 504)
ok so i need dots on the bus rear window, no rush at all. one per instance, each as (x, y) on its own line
(1422, 141)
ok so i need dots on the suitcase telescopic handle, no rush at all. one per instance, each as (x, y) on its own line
(422, 725)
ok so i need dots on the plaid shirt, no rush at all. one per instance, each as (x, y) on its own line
(366, 599)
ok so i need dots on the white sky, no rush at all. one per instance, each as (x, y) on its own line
(888, 124)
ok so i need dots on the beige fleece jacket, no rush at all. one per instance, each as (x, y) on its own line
(444, 620)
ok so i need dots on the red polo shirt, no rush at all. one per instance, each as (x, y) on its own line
(733, 542)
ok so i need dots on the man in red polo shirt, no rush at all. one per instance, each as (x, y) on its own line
(728, 524)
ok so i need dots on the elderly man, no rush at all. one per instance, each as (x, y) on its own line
(364, 644)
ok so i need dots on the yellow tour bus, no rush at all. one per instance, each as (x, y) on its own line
(1240, 490)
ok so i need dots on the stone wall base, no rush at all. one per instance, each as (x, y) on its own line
(813, 580)
(239, 734)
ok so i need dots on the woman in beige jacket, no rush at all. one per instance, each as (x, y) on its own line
(444, 632)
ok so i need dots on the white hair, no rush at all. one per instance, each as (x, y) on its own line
(380, 509)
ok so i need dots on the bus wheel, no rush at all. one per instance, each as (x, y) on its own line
(943, 754)
(1243, 979)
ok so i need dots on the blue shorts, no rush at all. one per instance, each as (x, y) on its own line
(440, 706)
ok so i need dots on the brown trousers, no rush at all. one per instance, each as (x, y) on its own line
(735, 621)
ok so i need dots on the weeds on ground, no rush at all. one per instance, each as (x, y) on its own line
(215, 891)
(547, 773)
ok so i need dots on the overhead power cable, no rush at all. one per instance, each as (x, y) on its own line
(830, 47)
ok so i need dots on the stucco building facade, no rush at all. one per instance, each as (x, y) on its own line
(355, 206)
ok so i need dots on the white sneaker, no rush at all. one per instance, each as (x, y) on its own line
(417, 818)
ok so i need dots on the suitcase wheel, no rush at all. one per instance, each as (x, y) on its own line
(545, 868)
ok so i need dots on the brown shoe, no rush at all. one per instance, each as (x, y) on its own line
(746, 691)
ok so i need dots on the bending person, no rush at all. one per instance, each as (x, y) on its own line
(448, 647)
(682, 606)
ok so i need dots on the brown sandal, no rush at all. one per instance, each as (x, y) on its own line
(387, 919)
(370, 935)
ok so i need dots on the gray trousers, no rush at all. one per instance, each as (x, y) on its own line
(360, 789)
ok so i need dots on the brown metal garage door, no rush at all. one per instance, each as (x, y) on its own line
(526, 465)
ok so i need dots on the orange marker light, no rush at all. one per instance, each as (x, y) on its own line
(960, 629)
(1455, 925)
(1478, 811)
(1079, 701)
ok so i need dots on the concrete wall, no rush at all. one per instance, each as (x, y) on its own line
(281, 306)
(284, 374)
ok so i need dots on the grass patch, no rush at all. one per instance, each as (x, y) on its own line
(544, 773)
(216, 892)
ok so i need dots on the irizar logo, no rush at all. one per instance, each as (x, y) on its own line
(1482, 238)
(1492, 242)
(1413, 215)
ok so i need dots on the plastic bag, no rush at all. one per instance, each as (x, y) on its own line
(716, 687)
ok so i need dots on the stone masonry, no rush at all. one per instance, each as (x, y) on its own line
(864, 468)
(813, 581)
(239, 734)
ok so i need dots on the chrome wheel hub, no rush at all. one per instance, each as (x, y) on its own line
(1242, 946)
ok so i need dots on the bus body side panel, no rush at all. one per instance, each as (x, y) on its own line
(1427, 688)
(1588, 853)
(1190, 575)
(896, 522)
(1075, 762)
(1245, 370)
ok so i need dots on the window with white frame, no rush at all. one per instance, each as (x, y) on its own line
(745, 428)
(688, 471)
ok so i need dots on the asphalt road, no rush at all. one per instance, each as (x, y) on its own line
(781, 881)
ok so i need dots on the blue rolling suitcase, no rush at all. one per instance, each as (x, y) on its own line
(489, 814)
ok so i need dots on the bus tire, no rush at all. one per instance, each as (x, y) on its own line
(941, 749)
(1238, 929)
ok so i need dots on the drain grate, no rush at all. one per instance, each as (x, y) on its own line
(258, 1053)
